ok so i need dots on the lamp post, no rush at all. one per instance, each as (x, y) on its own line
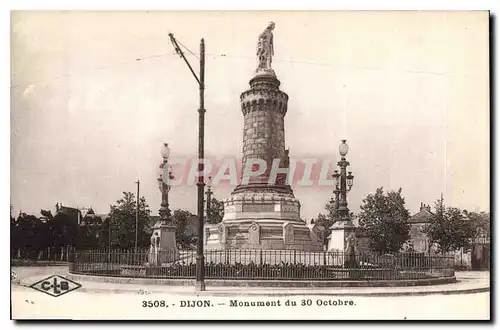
(342, 231)
(164, 176)
(200, 258)
(137, 216)
(109, 240)
(344, 182)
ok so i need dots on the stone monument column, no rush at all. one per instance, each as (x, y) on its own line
(264, 107)
(262, 212)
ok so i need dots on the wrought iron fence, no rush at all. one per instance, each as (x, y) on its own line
(263, 264)
(52, 254)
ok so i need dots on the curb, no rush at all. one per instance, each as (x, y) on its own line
(39, 263)
(83, 289)
(264, 283)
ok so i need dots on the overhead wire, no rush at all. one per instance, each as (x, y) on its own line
(216, 55)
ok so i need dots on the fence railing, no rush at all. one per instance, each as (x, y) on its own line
(55, 254)
(263, 264)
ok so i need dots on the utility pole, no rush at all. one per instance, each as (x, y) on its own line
(137, 216)
(200, 259)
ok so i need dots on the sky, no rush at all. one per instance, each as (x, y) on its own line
(95, 94)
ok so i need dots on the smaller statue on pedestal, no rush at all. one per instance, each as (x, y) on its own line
(157, 241)
(350, 251)
(152, 245)
(153, 248)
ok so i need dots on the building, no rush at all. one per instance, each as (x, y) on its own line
(73, 214)
(418, 221)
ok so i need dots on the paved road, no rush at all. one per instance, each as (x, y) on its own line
(468, 282)
(97, 301)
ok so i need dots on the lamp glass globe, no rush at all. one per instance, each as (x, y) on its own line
(343, 148)
(165, 151)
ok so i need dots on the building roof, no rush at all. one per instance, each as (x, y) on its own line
(423, 216)
(68, 210)
(94, 216)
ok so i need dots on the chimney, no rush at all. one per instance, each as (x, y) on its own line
(422, 206)
(428, 207)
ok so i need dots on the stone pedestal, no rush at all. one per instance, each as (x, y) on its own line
(343, 241)
(340, 230)
(263, 220)
(164, 249)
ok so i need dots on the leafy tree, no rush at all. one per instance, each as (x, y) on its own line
(122, 218)
(43, 235)
(448, 228)
(384, 219)
(480, 223)
(29, 236)
(216, 211)
(47, 214)
(14, 236)
(329, 218)
(181, 218)
(331, 213)
(322, 220)
(65, 230)
(26, 238)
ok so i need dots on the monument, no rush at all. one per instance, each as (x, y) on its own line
(262, 212)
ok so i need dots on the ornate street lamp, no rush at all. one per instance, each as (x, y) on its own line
(343, 232)
(343, 184)
(350, 181)
(164, 175)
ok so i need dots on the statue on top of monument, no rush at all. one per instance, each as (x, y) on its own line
(265, 50)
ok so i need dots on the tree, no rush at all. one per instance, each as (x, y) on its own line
(14, 236)
(331, 213)
(122, 218)
(384, 219)
(29, 236)
(49, 235)
(26, 235)
(216, 211)
(329, 218)
(480, 223)
(181, 218)
(448, 228)
(65, 229)
(322, 220)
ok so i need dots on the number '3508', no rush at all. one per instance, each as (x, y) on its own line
(154, 303)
